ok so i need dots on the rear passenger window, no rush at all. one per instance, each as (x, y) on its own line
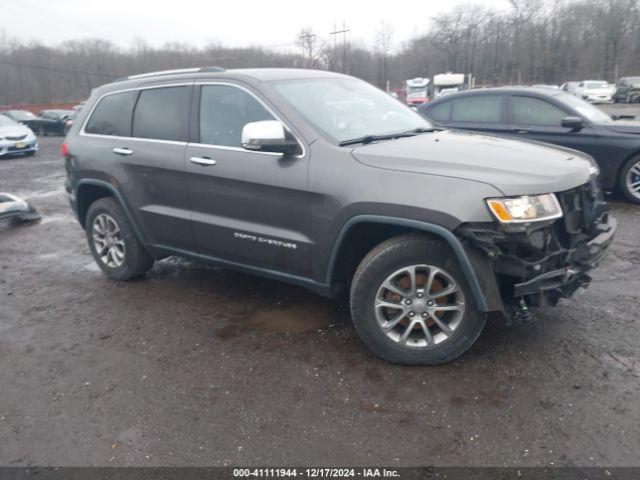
(440, 113)
(224, 110)
(485, 109)
(163, 114)
(112, 115)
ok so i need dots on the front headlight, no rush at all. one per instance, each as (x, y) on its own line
(528, 208)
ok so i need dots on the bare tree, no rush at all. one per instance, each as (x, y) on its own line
(534, 41)
(383, 45)
(308, 41)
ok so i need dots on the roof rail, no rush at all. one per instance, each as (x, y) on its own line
(177, 71)
(211, 69)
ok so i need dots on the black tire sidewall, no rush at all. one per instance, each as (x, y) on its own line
(376, 268)
(137, 260)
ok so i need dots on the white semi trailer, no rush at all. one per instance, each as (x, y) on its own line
(417, 90)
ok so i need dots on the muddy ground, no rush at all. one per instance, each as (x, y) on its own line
(195, 365)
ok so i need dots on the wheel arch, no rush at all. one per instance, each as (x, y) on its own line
(90, 190)
(634, 153)
(393, 225)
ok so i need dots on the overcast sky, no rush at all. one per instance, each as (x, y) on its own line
(229, 22)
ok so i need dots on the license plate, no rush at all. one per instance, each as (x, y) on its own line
(21, 144)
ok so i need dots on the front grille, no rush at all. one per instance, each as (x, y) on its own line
(582, 207)
(19, 137)
(16, 149)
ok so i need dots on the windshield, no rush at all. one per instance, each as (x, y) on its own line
(596, 85)
(348, 108)
(585, 109)
(21, 115)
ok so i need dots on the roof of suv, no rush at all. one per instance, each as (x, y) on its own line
(247, 74)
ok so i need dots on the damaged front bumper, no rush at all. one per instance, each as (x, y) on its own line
(567, 280)
(538, 263)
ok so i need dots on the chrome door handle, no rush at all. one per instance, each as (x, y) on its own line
(123, 151)
(202, 161)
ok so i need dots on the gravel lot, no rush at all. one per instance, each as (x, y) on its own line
(196, 365)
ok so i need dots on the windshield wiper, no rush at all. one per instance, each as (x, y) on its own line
(391, 136)
(423, 130)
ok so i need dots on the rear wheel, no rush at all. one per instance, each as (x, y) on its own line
(410, 302)
(629, 180)
(113, 243)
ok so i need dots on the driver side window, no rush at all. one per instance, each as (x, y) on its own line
(533, 111)
(224, 111)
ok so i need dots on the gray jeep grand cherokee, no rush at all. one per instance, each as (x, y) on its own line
(324, 181)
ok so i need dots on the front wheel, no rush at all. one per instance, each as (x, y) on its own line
(629, 180)
(113, 243)
(410, 302)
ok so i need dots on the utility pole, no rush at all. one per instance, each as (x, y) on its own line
(306, 41)
(344, 32)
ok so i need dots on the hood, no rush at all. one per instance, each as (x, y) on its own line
(624, 126)
(14, 131)
(597, 91)
(511, 166)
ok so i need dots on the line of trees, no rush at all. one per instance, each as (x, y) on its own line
(533, 41)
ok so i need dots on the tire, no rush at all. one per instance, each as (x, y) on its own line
(41, 131)
(129, 259)
(629, 178)
(385, 261)
(30, 154)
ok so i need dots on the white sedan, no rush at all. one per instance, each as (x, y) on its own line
(16, 138)
(595, 91)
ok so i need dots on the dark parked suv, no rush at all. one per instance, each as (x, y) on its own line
(324, 181)
(627, 90)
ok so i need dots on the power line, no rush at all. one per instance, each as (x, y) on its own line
(344, 32)
(57, 69)
(306, 42)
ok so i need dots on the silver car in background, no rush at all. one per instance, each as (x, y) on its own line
(16, 138)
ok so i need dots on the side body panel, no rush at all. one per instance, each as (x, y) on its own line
(249, 207)
(149, 177)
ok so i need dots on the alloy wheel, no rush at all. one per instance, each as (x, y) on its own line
(633, 180)
(107, 240)
(419, 306)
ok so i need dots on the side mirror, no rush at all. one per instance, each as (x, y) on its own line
(267, 136)
(575, 123)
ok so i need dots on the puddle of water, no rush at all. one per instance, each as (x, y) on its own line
(56, 218)
(50, 193)
(295, 318)
(312, 315)
(49, 256)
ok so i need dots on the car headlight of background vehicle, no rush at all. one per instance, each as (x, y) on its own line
(528, 208)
